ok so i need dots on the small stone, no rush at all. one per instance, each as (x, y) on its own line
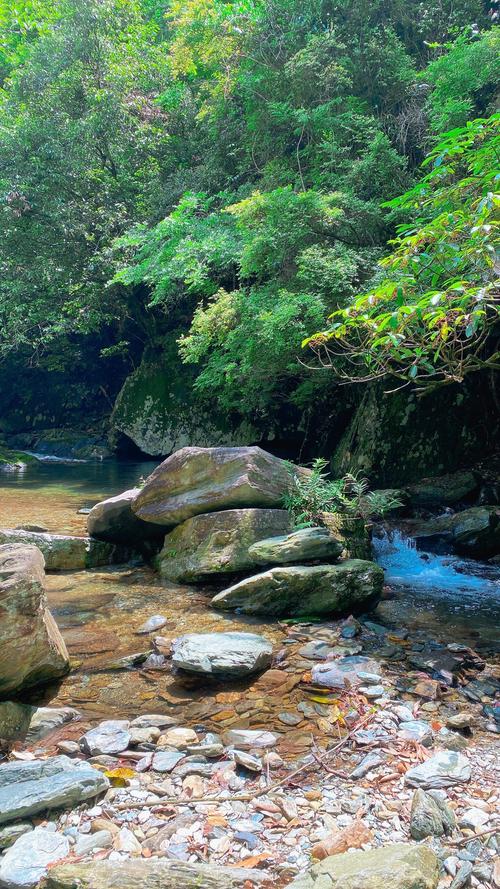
(404, 714)
(204, 770)
(247, 739)
(247, 761)
(474, 818)
(451, 740)
(111, 736)
(70, 748)
(427, 688)
(463, 876)
(369, 762)
(146, 735)
(156, 622)
(416, 730)
(460, 721)
(178, 738)
(430, 816)
(125, 841)
(372, 691)
(157, 720)
(165, 760)
(11, 832)
(101, 839)
(290, 718)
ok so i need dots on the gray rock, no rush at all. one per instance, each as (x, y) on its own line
(218, 543)
(463, 876)
(474, 532)
(26, 862)
(248, 739)
(201, 480)
(222, 655)
(398, 866)
(372, 691)
(444, 490)
(151, 873)
(300, 591)
(298, 547)
(335, 674)
(450, 739)
(101, 839)
(155, 622)
(65, 553)
(113, 521)
(30, 787)
(252, 763)
(11, 832)
(111, 736)
(416, 730)
(430, 816)
(166, 760)
(369, 762)
(32, 650)
(45, 719)
(155, 719)
(445, 769)
(203, 769)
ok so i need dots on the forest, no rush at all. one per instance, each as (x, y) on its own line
(247, 220)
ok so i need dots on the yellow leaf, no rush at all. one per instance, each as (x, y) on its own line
(119, 777)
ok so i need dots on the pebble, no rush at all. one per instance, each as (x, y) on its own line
(156, 622)
(101, 839)
(252, 763)
(178, 738)
(474, 818)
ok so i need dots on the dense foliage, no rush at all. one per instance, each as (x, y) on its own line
(232, 170)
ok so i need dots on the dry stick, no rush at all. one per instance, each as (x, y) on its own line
(246, 797)
(483, 833)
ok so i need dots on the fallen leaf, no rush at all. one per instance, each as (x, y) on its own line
(253, 860)
(353, 837)
(119, 777)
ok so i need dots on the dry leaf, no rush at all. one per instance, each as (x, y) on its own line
(353, 837)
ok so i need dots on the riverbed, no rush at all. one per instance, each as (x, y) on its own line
(100, 611)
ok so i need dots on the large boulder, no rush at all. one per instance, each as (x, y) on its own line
(444, 490)
(305, 545)
(27, 788)
(112, 520)
(222, 655)
(32, 650)
(65, 553)
(26, 862)
(218, 543)
(25, 722)
(152, 873)
(300, 591)
(200, 480)
(397, 866)
(474, 532)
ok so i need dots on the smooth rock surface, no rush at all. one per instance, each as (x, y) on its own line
(26, 862)
(111, 736)
(218, 543)
(65, 553)
(247, 739)
(27, 788)
(445, 769)
(150, 874)
(222, 655)
(300, 546)
(201, 480)
(397, 866)
(32, 650)
(113, 521)
(305, 590)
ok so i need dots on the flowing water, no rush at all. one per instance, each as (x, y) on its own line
(99, 611)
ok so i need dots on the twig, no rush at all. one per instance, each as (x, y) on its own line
(247, 797)
(483, 833)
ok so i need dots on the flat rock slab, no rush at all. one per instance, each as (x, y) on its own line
(65, 553)
(350, 670)
(398, 866)
(26, 862)
(304, 545)
(27, 788)
(218, 543)
(201, 480)
(111, 736)
(32, 650)
(150, 874)
(222, 655)
(444, 769)
(301, 591)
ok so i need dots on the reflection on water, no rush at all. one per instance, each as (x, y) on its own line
(447, 595)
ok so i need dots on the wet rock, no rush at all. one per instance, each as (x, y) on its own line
(218, 543)
(474, 532)
(65, 553)
(444, 769)
(26, 862)
(11, 832)
(248, 739)
(304, 545)
(30, 787)
(336, 674)
(222, 655)
(32, 650)
(151, 874)
(113, 521)
(399, 866)
(444, 490)
(201, 480)
(305, 590)
(109, 737)
(153, 623)
(430, 816)
(416, 730)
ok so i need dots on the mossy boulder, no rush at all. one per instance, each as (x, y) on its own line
(65, 553)
(443, 490)
(217, 543)
(158, 409)
(396, 866)
(303, 545)
(300, 590)
(473, 532)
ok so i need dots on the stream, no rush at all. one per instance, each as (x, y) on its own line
(100, 610)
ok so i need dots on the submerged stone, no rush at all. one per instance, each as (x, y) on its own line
(305, 590)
